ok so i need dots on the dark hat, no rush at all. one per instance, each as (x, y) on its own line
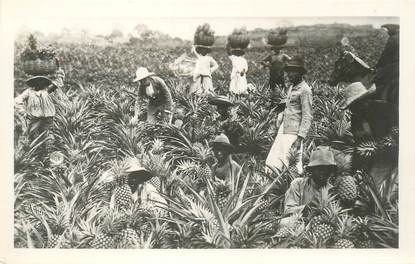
(322, 156)
(135, 168)
(39, 81)
(296, 63)
(391, 28)
(220, 100)
(222, 142)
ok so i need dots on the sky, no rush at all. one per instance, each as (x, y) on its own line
(178, 18)
(185, 27)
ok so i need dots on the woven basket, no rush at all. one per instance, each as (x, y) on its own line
(238, 41)
(39, 67)
(276, 39)
(204, 40)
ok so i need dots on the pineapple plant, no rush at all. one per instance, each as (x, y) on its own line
(57, 225)
(111, 222)
(345, 227)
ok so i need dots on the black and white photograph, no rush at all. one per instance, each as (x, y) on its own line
(206, 132)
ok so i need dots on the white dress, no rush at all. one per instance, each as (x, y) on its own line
(202, 75)
(239, 84)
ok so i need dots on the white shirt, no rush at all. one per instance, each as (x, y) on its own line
(205, 65)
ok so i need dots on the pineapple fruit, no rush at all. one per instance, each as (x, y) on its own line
(155, 181)
(222, 193)
(122, 195)
(347, 188)
(127, 238)
(364, 244)
(323, 231)
(204, 171)
(343, 243)
(102, 241)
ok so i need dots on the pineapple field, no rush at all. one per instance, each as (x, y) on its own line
(62, 198)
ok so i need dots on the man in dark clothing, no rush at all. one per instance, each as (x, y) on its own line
(276, 63)
(372, 120)
(159, 97)
(387, 67)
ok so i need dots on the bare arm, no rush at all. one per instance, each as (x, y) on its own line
(214, 65)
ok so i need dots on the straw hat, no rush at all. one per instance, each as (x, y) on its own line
(134, 165)
(322, 156)
(39, 81)
(142, 73)
(222, 142)
(354, 92)
(220, 100)
(296, 64)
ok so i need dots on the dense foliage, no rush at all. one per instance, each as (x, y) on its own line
(60, 200)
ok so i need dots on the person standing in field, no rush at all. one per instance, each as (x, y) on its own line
(36, 103)
(160, 101)
(238, 84)
(276, 63)
(204, 67)
(375, 120)
(296, 120)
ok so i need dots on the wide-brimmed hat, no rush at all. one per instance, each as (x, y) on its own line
(142, 73)
(39, 81)
(134, 165)
(354, 92)
(296, 63)
(222, 142)
(322, 156)
(220, 100)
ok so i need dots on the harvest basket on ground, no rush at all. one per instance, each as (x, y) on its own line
(38, 61)
(204, 36)
(239, 39)
(275, 38)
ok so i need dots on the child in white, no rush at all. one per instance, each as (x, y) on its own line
(202, 76)
(239, 84)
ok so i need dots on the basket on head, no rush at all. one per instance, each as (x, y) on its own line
(277, 39)
(39, 67)
(39, 82)
(239, 39)
(204, 36)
